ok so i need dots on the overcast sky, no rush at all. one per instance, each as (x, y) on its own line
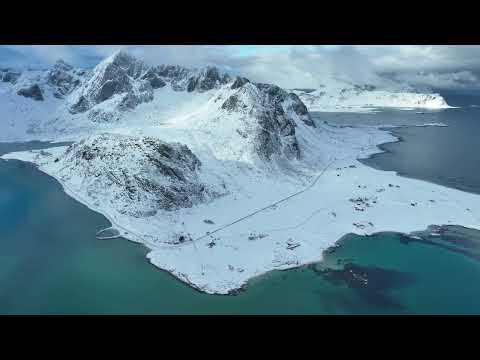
(303, 66)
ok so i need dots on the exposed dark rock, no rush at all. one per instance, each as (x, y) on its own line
(143, 174)
(119, 74)
(276, 134)
(239, 82)
(109, 88)
(10, 76)
(192, 84)
(276, 112)
(299, 107)
(174, 72)
(81, 105)
(155, 81)
(209, 78)
(293, 103)
(365, 87)
(183, 79)
(63, 78)
(34, 92)
(231, 104)
(103, 115)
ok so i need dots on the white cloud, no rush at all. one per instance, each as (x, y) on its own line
(45, 54)
(298, 66)
(422, 57)
(461, 79)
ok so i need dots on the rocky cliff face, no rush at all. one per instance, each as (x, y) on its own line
(267, 115)
(64, 78)
(9, 75)
(276, 113)
(183, 79)
(137, 175)
(58, 81)
(130, 82)
(31, 91)
(118, 76)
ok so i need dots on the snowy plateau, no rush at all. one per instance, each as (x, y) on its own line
(223, 179)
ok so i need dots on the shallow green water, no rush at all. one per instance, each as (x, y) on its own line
(51, 263)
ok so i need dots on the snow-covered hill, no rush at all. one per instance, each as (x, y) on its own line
(136, 176)
(343, 97)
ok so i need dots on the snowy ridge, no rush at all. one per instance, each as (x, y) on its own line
(118, 75)
(342, 97)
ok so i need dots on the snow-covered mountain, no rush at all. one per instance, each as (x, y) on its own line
(70, 103)
(111, 111)
(58, 81)
(181, 159)
(339, 96)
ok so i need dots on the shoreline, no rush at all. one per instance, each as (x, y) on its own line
(245, 287)
(132, 236)
(359, 109)
(400, 139)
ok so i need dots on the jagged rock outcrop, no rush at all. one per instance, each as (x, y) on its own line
(9, 75)
(117, 76)
(155, 81)
(41, 84)
(33, 92)
(184, 79)
(209, 78)
(137, 175)
(275, 112)
(64, 78)
(263, 115)
(125, 82)
(239, 82)
(299, 108)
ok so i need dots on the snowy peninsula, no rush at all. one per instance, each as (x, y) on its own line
(223, 179)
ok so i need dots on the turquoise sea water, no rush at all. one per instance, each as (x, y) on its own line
(51, 262)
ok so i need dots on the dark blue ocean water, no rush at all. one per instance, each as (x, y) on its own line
(51, 262)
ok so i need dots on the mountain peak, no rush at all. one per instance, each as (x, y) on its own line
(122, 60)
(121, 54)
(60, 64)
(118, 74)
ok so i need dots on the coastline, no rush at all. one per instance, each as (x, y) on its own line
(156, 256)
(399, 139)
